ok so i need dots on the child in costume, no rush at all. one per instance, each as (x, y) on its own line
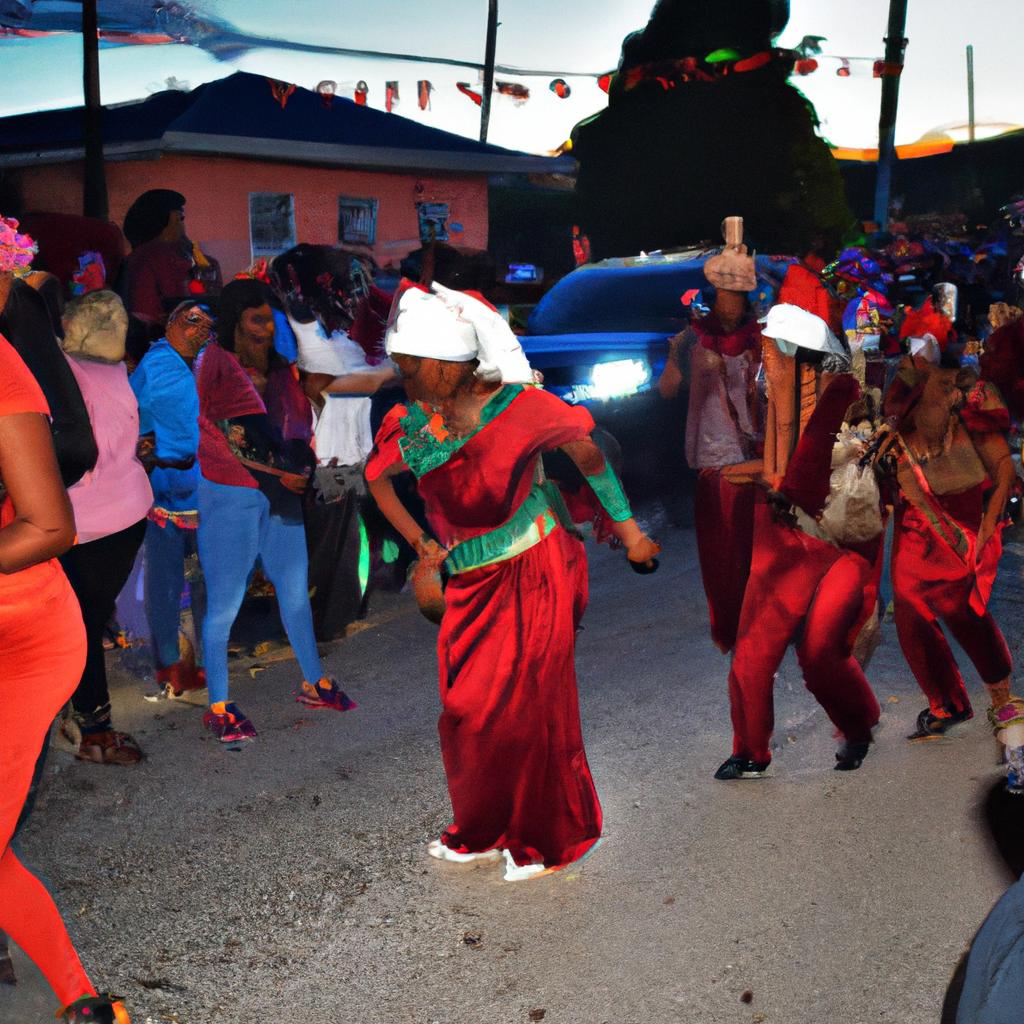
(813, 577)
(473, 433)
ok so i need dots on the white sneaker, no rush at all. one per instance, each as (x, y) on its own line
(439, 851)
(522, 872)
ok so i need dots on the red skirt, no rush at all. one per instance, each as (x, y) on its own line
(510, 729)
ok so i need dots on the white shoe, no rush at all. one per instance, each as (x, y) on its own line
(522, 872)
(438, 850)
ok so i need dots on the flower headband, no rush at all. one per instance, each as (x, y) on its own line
(16, 250)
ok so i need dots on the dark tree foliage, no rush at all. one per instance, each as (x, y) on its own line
(662, 166)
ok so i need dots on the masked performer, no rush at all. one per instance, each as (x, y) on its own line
(473, 435)
(813, 576)
(955, 476)
(720, 355)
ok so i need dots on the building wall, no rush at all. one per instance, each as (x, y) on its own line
(217, 193)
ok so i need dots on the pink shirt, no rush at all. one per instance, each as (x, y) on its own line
(116, 493)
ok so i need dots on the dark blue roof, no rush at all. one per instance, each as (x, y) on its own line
(244, 106)
(59, 129)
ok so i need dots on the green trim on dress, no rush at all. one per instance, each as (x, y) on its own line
(422, 451)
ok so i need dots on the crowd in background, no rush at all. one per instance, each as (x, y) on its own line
(229, 424)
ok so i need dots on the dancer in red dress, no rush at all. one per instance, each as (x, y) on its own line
(473, 434)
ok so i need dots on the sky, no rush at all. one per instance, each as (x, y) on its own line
(567, 36)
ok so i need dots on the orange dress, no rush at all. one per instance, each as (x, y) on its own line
(42, 653)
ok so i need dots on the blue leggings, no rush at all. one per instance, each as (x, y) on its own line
(236, 527)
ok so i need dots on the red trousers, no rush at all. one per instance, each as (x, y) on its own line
(724, 518)
(42, 654)
(930, 583)
(805, 591)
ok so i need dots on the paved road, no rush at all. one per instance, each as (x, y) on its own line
(289, 882)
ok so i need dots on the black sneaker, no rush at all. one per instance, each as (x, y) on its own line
(931, 726)
(850, 756)
(739, 767)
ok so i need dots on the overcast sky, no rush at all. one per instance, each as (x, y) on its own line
(567, 35)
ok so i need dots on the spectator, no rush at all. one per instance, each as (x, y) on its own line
(41, 660)
(249, 509)
(110, 502)
(339, 379)
(25, 323)
(169, 423)
(164, 267)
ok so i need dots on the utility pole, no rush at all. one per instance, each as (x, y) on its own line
(491, 47)
(94, 186)
(895, 46)
(970, 93)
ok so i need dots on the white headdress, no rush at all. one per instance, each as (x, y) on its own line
(446, 324)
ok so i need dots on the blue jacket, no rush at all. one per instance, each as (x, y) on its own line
(169, 409)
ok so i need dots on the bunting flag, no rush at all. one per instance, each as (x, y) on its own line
(844, 68)
(464, 88)
(887, 69)
(519, 93)
(604, 83)
(423, 91)
(281, 91)
(362, 91)
(327, 89)
(390, 95)
(560, 87)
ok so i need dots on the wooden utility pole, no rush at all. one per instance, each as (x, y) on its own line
(895, 46)
(970, 93)
(489, 52)
(94, 190)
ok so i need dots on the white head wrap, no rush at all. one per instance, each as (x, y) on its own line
(793, 328)
(926, 346)
(455, 327)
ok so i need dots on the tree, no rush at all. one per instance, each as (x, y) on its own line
(703, 123)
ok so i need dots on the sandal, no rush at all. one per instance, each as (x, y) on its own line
(105, 1009)
(109, 747)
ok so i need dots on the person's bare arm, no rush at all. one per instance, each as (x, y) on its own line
(44, 525)
(671, 379)
(364, 382)
(383, 492)
(590, 461)
(995, 454)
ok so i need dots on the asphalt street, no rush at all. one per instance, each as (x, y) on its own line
(289, 882)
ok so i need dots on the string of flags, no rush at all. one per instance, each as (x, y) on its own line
(805, 59)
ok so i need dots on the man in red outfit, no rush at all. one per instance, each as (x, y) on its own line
(806, 585)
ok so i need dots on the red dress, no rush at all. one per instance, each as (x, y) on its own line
(510, 727)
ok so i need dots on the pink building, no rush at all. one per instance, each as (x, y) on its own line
(264, 165)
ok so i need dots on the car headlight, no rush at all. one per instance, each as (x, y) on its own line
(619, 378)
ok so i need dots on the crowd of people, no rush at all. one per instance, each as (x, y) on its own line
(866, 393)
(162, 417)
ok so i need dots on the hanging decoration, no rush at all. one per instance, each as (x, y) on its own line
(844, 68)
(281, 91)
(361, 93)
(887, 69)
(519, 93)
(423, 91)
(390, 96)
(805, 66)
(465, 89)
(327, 89)
(560, 87)
(604, 83)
